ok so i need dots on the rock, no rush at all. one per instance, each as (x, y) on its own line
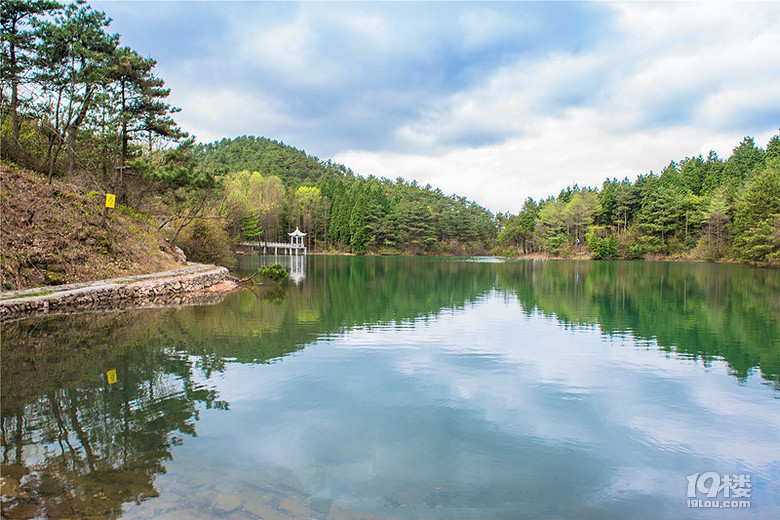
(226, 502)
(148, 290)
(260, 507)
(21, 509)
(179, 255)
(296, 505)
(223, 286)
(9, 487)
(57, 507)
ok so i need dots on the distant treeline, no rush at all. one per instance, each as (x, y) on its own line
(271, 188)
(697, 208)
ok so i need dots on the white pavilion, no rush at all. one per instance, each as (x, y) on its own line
(296, 241)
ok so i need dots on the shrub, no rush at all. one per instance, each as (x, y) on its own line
(275, 272)
(505, 251)
(604, 248)
(556, 245)
(205, 241)
(628, 245)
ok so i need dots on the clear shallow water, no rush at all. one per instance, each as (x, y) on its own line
(407, 388)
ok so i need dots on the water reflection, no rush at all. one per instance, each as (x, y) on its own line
(428, 387)
(295, 264)
(76, 445)
(698, 311)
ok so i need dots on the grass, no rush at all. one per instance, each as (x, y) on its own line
(39, 293)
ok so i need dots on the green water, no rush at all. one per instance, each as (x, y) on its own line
(405, 388)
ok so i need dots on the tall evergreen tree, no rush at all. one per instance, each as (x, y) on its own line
(73, 60)
(746, 157)
(757, 219)
(17, 18)
(141, 100)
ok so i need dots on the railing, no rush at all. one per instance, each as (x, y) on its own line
(275, 246)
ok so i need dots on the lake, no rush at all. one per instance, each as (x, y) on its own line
(372, 387)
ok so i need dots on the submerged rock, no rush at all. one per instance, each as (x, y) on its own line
(226, 503)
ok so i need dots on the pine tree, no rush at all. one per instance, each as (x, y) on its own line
(18, 18)
(757, 219)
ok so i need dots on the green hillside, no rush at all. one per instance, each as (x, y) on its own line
(271, 188)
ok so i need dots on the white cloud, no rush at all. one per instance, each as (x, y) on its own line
(681, 79)
(371, 29)
(495, 102)
(630, 80)
(687, 56)
(509, 102)
(573, 149)
(284, 48)
(213, 114)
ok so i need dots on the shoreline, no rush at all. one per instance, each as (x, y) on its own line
(177, 287)
(192, 285)
(545, 256)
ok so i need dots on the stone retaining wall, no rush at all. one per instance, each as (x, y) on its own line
(112, 293)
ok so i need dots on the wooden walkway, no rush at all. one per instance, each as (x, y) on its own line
(276, 246)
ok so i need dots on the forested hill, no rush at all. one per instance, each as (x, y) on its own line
(696, 209)
(271, 187)
(293, 167)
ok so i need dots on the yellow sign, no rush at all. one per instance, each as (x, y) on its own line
(110, 199)
(111, 375)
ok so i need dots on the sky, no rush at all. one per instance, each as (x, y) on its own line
(493, 101)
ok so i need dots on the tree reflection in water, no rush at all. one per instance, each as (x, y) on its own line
(75, 445)
(696, 311)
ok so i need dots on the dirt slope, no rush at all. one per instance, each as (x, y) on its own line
(56, 233)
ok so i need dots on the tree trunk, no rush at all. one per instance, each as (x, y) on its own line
(74, 128)
(189, 218)
(57, 151)
(56, 136)
(124, 127)
(14, 96)
(71, 151)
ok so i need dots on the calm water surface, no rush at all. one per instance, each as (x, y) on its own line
(405, 388)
